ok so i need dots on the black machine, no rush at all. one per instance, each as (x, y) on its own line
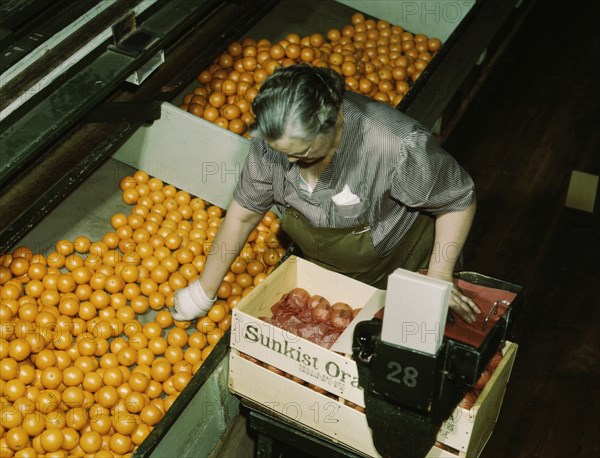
(409, 394)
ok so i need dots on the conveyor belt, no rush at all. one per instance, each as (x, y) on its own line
(33, 23)
(36, 127)
(47, 179)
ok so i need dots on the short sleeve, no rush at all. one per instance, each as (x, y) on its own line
(426, 177)
(254, 191)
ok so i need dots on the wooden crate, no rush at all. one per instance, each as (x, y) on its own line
(328, 369)
(466, 431)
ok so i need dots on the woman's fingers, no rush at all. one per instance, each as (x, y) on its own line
(463, 306)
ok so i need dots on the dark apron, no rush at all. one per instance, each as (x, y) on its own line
(350, 251)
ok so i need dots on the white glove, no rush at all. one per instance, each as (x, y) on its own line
(191, 302)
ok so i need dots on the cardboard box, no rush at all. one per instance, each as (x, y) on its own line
(466, 431)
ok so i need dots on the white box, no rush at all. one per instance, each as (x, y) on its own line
(416, 307)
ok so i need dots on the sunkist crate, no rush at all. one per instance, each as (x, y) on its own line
(466, 431)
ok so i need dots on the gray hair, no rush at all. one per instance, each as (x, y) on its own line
(298, 101)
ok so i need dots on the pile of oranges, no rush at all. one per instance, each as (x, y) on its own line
(375, 58)
(90, 356)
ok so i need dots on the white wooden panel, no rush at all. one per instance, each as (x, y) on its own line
(189, 153)
(436, 18)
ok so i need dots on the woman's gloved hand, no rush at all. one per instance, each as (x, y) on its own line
(191, 302)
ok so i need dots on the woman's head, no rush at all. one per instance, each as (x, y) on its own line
(298, 102)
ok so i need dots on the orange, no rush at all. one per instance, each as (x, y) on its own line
(86, 363)
(92, 382)
(52, 439)
(127, 356)
(87, 344)
(90, 441)
(135, 402)
(177, 337)
(47, 402)
(16, 438)
(127, 183)
(182, 366)
(217, 313)
(112, 377)
(8, 368)
(193, 355)
(141, 432)
(145, 357)
(77, 418)
(106, 396)
(124, 422)
(197, 340)
(140, 304)
(24, 404)
(157, 345)
(120, 444)
(33, 425)
(205, 324)
(56, 419)
(181, 379)
(152, 329)
(100, 423)
(138, 382)
(11, 290)
(71, 439)
(206, 351)
(109, 360)
(173, 354)
(138, 341)
(11, 417)
(14, 389)
(164, 319)
(151, 414)
(161, 370)
(214, 336)
(73, 396)
(26, 373)
(51, 377)
(19, 349)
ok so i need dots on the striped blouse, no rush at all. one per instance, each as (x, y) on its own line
(390, 161)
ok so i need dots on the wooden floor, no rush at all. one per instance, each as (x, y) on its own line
(536, 119)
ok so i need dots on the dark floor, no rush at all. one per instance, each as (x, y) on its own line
(535, 120)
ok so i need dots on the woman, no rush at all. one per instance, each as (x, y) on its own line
(363, 189)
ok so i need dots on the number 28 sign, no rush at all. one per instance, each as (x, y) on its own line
(403, 376)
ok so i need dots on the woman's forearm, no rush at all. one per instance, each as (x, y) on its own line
(451, 231)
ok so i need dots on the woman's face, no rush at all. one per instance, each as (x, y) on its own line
(303, 152)
(307, 153)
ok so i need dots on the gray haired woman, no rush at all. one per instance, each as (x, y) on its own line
(362, 188)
